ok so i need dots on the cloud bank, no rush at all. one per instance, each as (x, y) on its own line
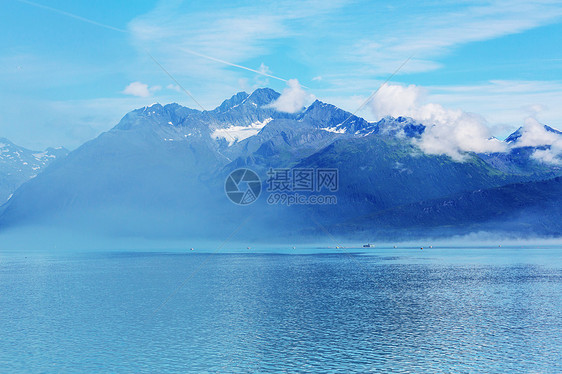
(449, 132)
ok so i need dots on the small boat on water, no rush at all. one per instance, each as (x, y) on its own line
(368, 245)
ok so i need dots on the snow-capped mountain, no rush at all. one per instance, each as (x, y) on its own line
(18, 165)
(515, 138)
(161, 171)
(523, 148)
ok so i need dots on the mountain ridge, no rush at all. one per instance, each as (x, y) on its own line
(161, 170)
(19, 164)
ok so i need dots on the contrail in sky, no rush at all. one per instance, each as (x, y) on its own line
(194, 53)
(77, 17)
(231, 64)
(235, 65)
(109, 27)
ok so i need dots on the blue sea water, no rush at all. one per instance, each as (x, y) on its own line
(388, 310)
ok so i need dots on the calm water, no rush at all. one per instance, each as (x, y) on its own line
(392, 310)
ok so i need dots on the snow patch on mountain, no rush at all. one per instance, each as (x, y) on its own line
(234, 134)
(43, 155)
(18, 165)
(335, 130)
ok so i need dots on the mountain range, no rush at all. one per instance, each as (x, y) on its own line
(19, 164)
(161, 171)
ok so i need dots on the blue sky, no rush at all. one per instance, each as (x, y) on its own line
(64, 78)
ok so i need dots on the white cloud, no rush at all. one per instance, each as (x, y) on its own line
(172, 31)
(140, 89)
(448, 131)
(293, 99)
(427, 31)
(454, 132)
(137, 89)
(396, 100)
(245, 33)
(210, 46)
(534, 134)
(504, 103)
(550, 156)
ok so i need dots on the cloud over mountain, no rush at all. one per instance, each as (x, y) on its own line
(450, 132)
(293, 99)
(534, 134)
